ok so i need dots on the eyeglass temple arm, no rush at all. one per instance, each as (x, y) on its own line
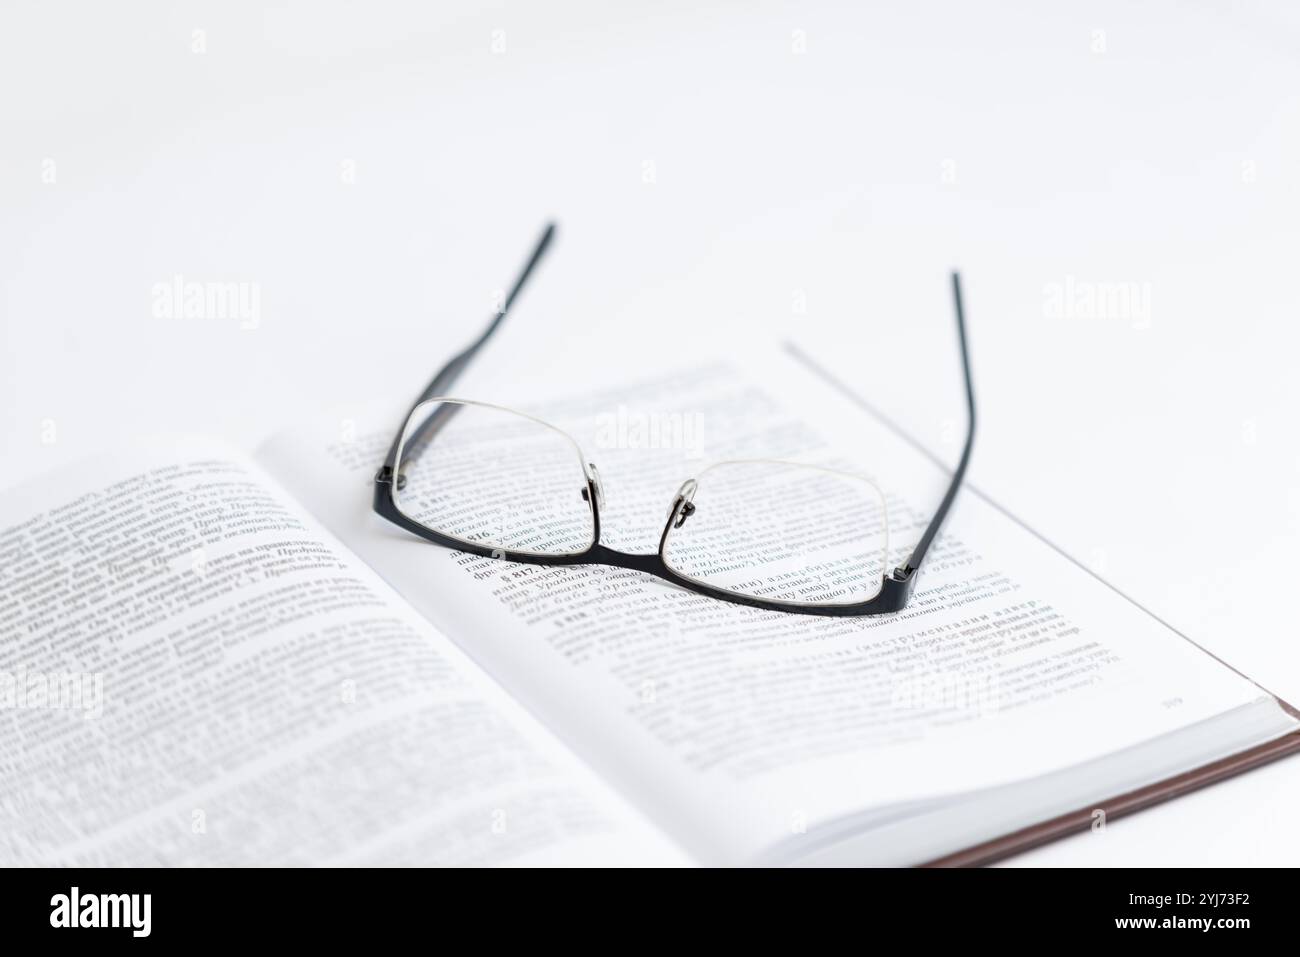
(907, 569)
(449, 373)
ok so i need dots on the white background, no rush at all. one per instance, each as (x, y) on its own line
(743, 171)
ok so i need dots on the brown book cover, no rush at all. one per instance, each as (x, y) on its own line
(1122, 804)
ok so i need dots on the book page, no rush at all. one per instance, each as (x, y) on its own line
(193, 671)
(740, 728)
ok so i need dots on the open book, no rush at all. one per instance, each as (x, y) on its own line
(212, 658)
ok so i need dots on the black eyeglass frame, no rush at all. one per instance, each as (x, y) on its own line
(896, 586)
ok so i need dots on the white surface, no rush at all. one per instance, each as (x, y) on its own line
(1162, 449)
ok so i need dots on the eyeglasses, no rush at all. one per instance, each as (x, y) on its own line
(771, 534)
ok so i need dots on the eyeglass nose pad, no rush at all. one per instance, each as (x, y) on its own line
(595, 480)
(682, 500)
